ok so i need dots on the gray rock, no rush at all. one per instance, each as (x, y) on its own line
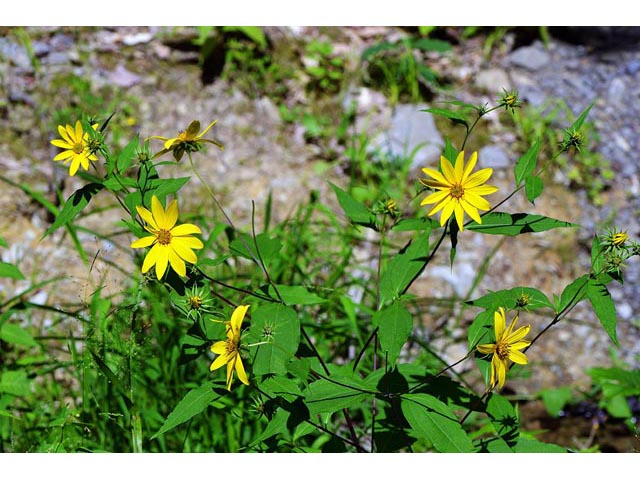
(616, 90)
(493, 156)
(413, 133)
(493, 81)
(15, 53)
(533, 57)
(268, 111)
(56, 58)
(41, 49)
(137, 38)
(123, 77)
(633, 67)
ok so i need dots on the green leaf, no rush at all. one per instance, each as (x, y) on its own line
(455, 117)
(194, 402)
(573, 293)
(279, 326)
(267, 247)
(530, 445)
(353, 209)
(16, 335)
(555, 399)
(616, 381)
(325, 396)
(504, 418)
(379, 47)
(3, 243)
(403, 268)
(501, 223)
(596, 254)
(74, 205)
(430, 44)
(533, 188)
(527, 298)
(394, 327)
(577, 125)
(7, 270)
(295, 295)
(255, 34)
(115, 183)
(277, 425)
(126, 155)
(481, 329)
(526, 164)
(603, 306)
(433, 420)
(450, 152)
(283, 387)
(15, 382)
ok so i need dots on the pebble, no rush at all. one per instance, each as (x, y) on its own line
(15, 53)
(414, 133)
(493, 81)
(532, 58)
(633, 67)
(123, 77)
(616, 90)
(494, 156)
(137, 38)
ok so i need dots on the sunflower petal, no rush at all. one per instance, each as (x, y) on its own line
(219, 347)
(176, 262)
(478, 178)
(435, 197)
(162, 259)
(75, 164)
(219, 362)
(151, 258)
(182, 251)
(447, 170)
(437, 176)
(501, 371)
(172, 214)
(147, 216)
(469, 167)
(185, 229)
(476, 201)
(459, 213)
(143, 242)
(499, 323)
(236, 319)
(518, 357)
(242, 375)
(486, 348)
(62, 144)
(459, 166)
(159, 214)
(471, 210)
(63, 155)
(446, 212)
(230, 369)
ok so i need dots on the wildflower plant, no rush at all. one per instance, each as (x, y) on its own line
(326, 357)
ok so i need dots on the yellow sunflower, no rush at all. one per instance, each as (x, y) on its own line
(74, 142)
(507, 347)
(228, 350)
(189, 140)
(171, 244)
(460, 191)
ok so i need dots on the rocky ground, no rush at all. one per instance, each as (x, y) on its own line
(161, 81)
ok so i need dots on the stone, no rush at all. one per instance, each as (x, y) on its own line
(123, 77)
(633, 67)
(616, 90)
(137, 38)
(412, 133)
(15, 53)
(493, 156)
(533, 57)
(492, 81)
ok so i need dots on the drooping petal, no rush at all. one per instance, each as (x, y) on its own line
(481, 190)
(219, 347)
(151, 258)
(494, 370)
(147, 216)
(182, 251)
(63, 155)
(201, 134)
(487, 348)
(459, 213)
(162, 260)
(469, 167)
(176, 262)
(84, 161)
(237, 317)
(242, 375)
(447, 170)
(230, 369)
(188, 242)
(471, 210)
(219, 362)
(159, 214)
(185, 229)
(172, 214)
(446, 212)
(168, 144)
(214, 142)
(519, 334)
(459, 166)
(143, 242)
(501, 371)
(499, 323)
(518, 357)
(476, 200)
(62, 144)
(437, 176)
(435, 197)
(75, 164)
(478, 178)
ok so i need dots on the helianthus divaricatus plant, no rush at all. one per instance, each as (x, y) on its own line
(74, 142)
(228, 350)
(459, 190)
(507, 347)
(172, 244)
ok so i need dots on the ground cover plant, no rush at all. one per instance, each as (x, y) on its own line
(300, 335)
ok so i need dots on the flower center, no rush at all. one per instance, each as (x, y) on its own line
(457, 191)
(195, 302)
(231, 346)
(78, 148)
(502, 350)
(164, 237)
